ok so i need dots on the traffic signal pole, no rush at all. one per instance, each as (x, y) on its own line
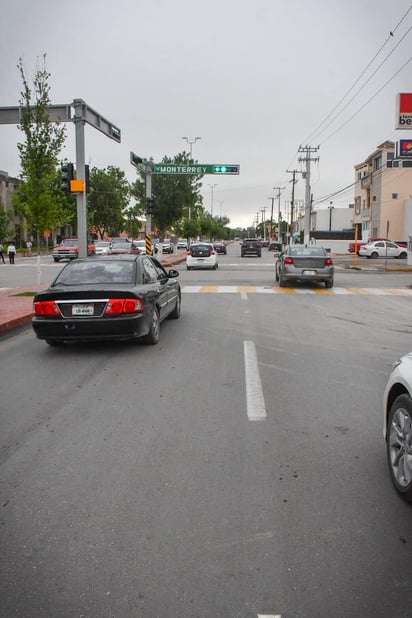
(79, 123)
(149, 206)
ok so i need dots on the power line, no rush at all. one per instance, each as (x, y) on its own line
(390, 36)
(367, 102)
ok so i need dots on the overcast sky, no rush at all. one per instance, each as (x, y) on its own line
(253, 78)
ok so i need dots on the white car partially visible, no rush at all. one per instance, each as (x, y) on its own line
(382, 248)
(102, 247)
(202, 255)
(397, 425)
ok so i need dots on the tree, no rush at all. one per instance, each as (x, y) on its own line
(38, 197)
(108, 200)
(173, 195)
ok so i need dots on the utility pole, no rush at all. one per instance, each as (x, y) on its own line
(279, 189)
(292, 203)
(271, 217)
(307, 159)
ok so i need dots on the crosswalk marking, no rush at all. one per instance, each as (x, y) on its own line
(252, 289)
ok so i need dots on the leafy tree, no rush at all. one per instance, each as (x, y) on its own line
(108, 200)
(173, 194)
(5, 218)
(38, 197)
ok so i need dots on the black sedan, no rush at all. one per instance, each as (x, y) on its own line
(304, 263)
(111, 298)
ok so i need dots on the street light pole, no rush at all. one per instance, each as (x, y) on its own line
(263, 211)
(330, 215)
(191, 142)
(211, 204)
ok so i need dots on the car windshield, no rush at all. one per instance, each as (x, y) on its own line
(85, 273)
(70, 243)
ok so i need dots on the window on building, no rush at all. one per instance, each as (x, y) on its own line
(377, 163)
(394, 196)
(374, 198)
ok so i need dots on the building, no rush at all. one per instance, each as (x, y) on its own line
(7, 186)
(383, 184)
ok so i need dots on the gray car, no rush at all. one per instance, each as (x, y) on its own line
(304, 263)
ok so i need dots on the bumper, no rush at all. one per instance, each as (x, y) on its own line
(85, 329)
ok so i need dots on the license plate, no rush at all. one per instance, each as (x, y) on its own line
(200, 259)
(82, 310)
(309, 273)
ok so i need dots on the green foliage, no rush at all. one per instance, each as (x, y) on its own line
(108, 200)
(173, 194)
(5, 219)
(38, 197)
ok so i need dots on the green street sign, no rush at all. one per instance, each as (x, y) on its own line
(196, 168)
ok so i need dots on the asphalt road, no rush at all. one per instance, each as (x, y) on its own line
(236, 469)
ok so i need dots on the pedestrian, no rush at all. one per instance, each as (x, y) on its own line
(29, 246)
(1, 253)
(11, 252)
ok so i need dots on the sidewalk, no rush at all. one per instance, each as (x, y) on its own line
(16, 304)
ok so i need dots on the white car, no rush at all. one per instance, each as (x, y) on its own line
(382, 248)
(181, 243)
(102, 247)
(202, 255)
(397, 425)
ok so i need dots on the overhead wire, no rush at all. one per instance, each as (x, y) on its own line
(389, 37)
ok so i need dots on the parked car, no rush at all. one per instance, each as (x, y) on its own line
(220, 247)
(102, 247)
(202, 255)
(112, 298)
(263, 242)
(382, 248)
(68, 249)
(181, 243)
(119, 248)
(250, 246)
(304, 263)
(397, 425)
(167, 246)
(119, 239)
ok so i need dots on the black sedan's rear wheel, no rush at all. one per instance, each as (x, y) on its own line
(399, 445)
(329, 284)
(153, 335)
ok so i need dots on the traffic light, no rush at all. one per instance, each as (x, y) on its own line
(135, 160)
(67, 173)
(226, 169)
(149, 205)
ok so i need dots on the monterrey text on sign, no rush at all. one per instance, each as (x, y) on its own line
(196, 168)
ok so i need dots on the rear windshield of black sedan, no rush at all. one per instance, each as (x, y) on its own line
(78, 273)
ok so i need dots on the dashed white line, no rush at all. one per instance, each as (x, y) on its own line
(255, 403)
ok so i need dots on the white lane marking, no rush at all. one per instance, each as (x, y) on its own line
(269, 616)
(243, 296)
(255, 403)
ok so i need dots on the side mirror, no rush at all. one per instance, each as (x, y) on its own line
(172, 274)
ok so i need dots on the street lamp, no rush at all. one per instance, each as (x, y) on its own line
(191, 142)
(211, 204)
(330, 215)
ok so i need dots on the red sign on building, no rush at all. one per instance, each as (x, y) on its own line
(404, 110)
